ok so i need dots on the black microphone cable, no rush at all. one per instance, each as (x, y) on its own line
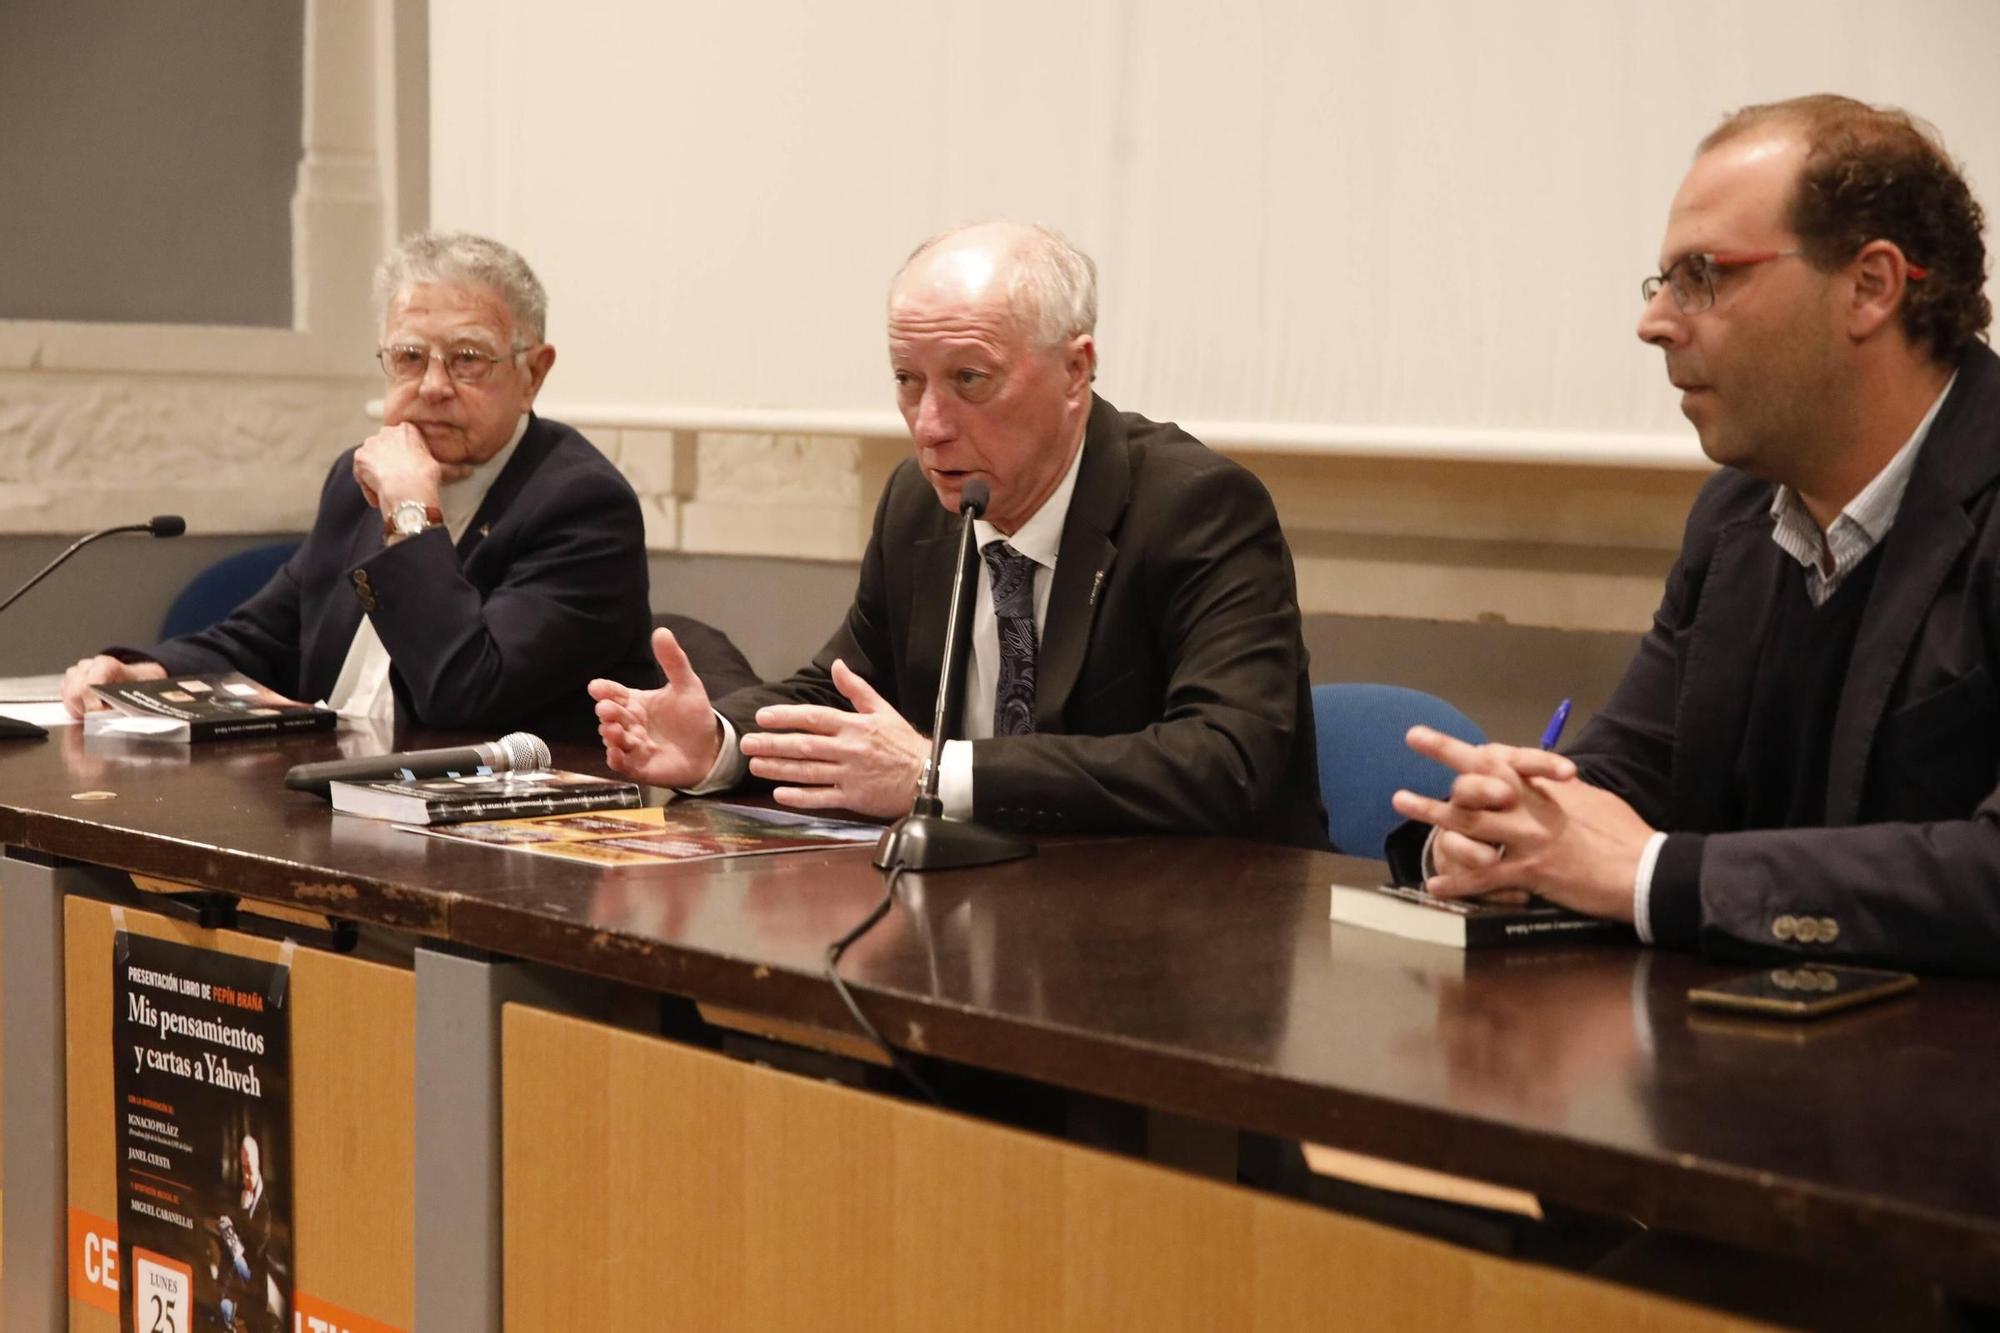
(898, 1061)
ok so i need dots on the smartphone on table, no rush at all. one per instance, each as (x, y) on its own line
(1802, 990)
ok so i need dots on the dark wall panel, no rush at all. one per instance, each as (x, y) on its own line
(149, 153)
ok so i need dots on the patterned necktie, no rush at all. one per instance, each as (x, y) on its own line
(1013, 576)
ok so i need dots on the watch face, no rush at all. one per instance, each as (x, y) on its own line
(409, 519)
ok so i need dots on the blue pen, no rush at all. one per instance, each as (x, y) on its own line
(1557, 721)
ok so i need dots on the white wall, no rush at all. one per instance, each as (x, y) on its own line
(1322, 223)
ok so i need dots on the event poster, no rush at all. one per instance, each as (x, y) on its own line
(203, 1103)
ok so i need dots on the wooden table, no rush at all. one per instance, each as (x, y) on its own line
(1196, 976)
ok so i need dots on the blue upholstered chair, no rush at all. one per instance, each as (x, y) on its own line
(1362, 758)
(224, 586)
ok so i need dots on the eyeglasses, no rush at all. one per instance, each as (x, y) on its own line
(464, 363)
(1691, 278)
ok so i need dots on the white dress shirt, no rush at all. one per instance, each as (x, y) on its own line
(362, 688)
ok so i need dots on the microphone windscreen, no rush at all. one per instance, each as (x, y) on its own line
(525, 753)
(973, 498)
(167, 525)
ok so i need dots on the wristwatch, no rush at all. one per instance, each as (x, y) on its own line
(411, 517)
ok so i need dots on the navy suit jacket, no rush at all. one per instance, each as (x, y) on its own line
(1171, 690)
(1908, 867)
(547, 589)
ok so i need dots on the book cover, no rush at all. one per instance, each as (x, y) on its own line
(688, 830)
(483, 796)
(1462, 923)
(201, 708)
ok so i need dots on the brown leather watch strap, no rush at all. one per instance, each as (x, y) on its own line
(433, 518)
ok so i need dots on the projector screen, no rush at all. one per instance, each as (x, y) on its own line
(1317, 224)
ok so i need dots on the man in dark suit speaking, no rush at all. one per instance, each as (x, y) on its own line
(1135, 653)
(471, 563)
(1803, 755)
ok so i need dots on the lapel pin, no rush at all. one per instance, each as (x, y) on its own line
(1096, 582)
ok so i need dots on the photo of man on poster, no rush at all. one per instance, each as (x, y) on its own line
(246, 1298)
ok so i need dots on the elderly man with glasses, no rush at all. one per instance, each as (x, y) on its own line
(1802, 757)
(471, 565)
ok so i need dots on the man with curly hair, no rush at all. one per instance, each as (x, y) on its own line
(1802, 757)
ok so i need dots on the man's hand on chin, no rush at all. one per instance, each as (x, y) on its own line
(394, 465)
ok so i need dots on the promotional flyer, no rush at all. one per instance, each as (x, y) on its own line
(203, 1099)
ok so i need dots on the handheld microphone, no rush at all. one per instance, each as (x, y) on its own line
(516, 752)
(924, 839)
(163, 525)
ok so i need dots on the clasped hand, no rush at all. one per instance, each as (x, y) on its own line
(867, 760)
(1521, 820)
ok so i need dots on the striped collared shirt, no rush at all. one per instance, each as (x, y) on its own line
(1859, 528)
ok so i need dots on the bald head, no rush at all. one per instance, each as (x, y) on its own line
(1049, 286)
(990, 346)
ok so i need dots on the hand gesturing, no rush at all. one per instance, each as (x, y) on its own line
(668, 737)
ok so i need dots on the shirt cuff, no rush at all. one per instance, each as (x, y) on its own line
(1673, 908)
(729, 767)
(1642, 888)
(955, 780)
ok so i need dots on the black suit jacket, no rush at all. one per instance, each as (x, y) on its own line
(1909, 869)
(1171, 690)
(547, 589)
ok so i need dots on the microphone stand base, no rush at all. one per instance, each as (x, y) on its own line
(13, 729)
(932, 842)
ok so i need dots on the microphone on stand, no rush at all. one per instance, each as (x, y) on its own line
(924, 839)
(516, 752)
(162, 525)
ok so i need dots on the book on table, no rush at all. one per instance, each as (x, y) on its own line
(212, 707)
(480, 796)
(686, 830)
(1465, 923)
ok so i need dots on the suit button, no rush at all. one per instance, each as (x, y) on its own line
(1829, 930)
(367, 601)
(1808, 930)
(1785, 928)
(360, 578)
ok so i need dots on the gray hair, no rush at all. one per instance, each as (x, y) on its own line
(1052, 285)
(461, 259)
